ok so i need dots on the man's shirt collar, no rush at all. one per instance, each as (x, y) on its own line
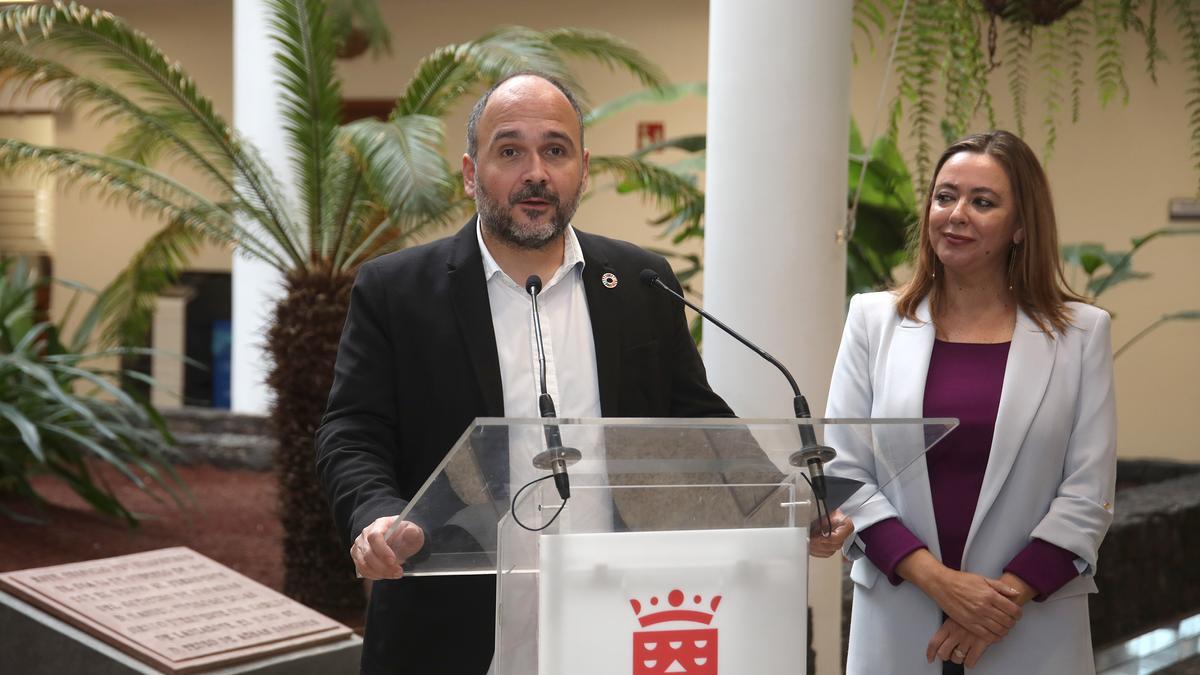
(572, 257)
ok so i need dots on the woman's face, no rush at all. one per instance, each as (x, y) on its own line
(972, 217)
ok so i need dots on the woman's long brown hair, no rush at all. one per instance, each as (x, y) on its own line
(1037, 280)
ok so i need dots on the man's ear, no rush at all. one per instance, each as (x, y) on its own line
(468, 171)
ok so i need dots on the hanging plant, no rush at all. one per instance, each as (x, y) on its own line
(1040, 12)
(956, 49)
(358, 27)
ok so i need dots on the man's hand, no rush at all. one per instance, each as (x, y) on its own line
(954, 644)
(377, 558)
(821, 546)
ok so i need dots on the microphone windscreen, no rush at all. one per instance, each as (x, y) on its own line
(649, 276)
(533, 284)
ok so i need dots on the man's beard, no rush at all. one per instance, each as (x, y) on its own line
(498, 221)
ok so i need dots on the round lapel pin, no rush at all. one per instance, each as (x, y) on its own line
(609, 280)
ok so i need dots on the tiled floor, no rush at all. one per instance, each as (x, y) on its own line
(1152, 652)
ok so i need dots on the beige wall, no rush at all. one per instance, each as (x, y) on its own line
(1112, 173)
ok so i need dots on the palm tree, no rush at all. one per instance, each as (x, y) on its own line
(364, 188)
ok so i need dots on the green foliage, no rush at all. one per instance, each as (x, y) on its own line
(1187, 13)
(1099, 269)
(1050, 62)
(1110, 64)
(964, 70)
(1077, 34)
(881, 218)
(1019, 43)
(919, 54)
(867, 18)
(952, 48)
(61, 415)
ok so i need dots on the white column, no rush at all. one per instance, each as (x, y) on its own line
(256, 285)
(169, 342)
(778, 126)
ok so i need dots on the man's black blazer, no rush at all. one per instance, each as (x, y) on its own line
(417, 363)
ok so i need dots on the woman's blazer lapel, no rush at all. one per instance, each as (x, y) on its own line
(1026, 376)
(902, 395)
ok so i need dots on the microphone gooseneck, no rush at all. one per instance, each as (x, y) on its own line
(555, 454)
(811, 454)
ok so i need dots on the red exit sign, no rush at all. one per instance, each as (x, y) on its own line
(649, 133)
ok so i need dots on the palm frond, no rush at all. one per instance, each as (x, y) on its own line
(311, 101)
(443, 77)
(651, 96)
(692, 143)
(439, 81)
(128, 301)
(138, 186)
(607, 49)
(352, 246)
(147, 134)
(343, 189)
(376, 233)
(509, 49)
(401, 162)
(72, 29)
(682, 201)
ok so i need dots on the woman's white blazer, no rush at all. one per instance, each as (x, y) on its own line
(1050, 475)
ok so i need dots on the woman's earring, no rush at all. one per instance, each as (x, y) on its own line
(1012, 265)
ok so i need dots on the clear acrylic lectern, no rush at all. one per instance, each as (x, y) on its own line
(683, 546)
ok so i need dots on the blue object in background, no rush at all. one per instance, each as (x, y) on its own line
(222, 348)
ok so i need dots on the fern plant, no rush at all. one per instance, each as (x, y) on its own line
(363, 189)
(956, 49)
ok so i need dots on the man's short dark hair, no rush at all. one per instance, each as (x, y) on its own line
(477, 111)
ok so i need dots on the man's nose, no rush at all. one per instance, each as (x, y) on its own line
(535, 171)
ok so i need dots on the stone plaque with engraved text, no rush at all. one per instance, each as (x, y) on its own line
(174, 609)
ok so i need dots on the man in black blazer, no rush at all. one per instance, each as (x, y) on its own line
(418, 362)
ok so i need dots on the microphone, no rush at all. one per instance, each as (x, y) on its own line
(555, 457)
(811, 454)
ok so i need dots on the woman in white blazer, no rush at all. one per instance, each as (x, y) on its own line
(1013, 504)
